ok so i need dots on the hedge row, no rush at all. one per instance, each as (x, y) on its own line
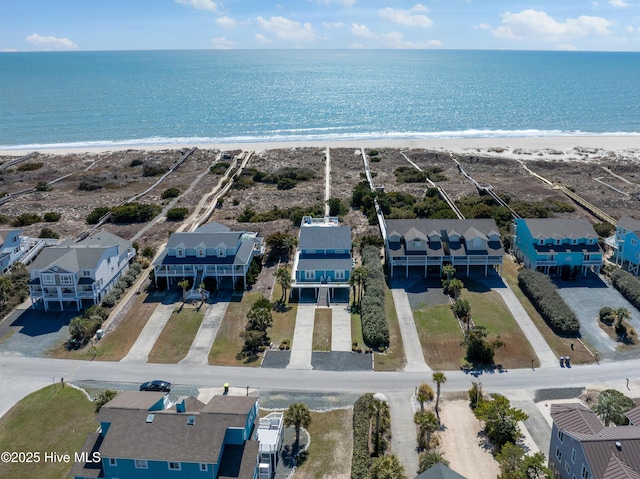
(361, 459)
(375, 329)
(627, 284)
(125, 281)
(544, 295)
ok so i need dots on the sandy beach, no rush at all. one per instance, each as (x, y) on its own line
(454, 145)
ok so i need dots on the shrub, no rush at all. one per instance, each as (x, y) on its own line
(52, 217)
(177, 214)
(29, 166)
(286, 184)
(219, 168)
(26, 219)
(136, 162)
(48, 233)
(170, 193)
(544, 295)
(361, 459)
(43, 186)
(109, 301)
(91, 183)
(96, 310)
(148, 252)
(375, 329)
(104, 397)
(627, 284)
(603, 229)
(606, 315)
(408, 174)
(97, 213)
(153, 169)
(337, 207)
(134, 213)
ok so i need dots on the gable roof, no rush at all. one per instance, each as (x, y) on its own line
(617, 469)
(630, 224)
(6, 233)
(325, 237)
(439, 471)
(560, 228)
(226, 239)
(575, 418)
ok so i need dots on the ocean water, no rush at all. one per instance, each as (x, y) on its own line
(167, 97)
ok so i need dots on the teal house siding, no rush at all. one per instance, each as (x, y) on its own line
(627, 244)
(557, 246)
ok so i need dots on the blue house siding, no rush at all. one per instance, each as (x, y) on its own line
(627, 244)
(553, 245)
(126, 469)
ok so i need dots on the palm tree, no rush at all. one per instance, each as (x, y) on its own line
(202, 291)
(358, 275)
(184, 284)
(284, 280)
(439, 378)
(621, 314)
(454, 286)
(428, 424)
(449, 271)
(297, 415)
(387, 467)
(431, 458)
(425, 393)
(290, 243)
(608, 408)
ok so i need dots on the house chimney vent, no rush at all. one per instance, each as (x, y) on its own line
(618, 445)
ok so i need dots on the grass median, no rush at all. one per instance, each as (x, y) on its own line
(175, 340)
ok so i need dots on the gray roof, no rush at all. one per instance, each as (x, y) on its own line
(439, 471)
(212, 227)
(144, 400)
(89, 469)
(167, 436)
(560, 228)
(240, 258)
(630, 224)
(227, 239)
(600, 443)
(444, 229)
(325, 237)
(634, 415)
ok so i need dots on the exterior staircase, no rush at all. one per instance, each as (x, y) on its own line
(323, 297)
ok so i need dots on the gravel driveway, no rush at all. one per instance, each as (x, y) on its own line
(585, 296)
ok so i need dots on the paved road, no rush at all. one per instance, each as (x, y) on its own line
(302, 343)
(408, 331)
(206, 335)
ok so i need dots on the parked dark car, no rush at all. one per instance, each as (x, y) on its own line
(156, 385)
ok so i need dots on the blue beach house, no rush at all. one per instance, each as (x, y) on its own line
(557, 245)
(627, 244)
(9, 248)
(323, 261)
(144, 435)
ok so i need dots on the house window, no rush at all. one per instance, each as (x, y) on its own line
(48, 278)
(200, 253)
(204, 467)
(141, 464)
(634, 242)
(113, 461)
(310, 251)
(574, 241)
(558, 241)
(309, 275)
(66, 279)
(174, 466)
(573, 456)
(637, 255)
(340, 251)
(180, 253)
(339, 274)
(86, 273)
(561, 435)
(585, 473)
(567, 467)
(541, 242)
(416, 243)
(221, 253)
(558, 454)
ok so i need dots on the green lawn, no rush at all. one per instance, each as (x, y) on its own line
(331, 445)
(46, 421)
(559, 345)
(440, 337)
(284, 321)
(393, 359)
(178, 334)
(322, 330)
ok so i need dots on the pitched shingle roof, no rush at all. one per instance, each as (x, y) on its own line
(325, 237)
(630, 224)
(439, 471)
(560, 228)
(575, 418)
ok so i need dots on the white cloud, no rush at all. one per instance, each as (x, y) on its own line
(566, 47)
(221, 43)
(51, 43)
(200, 4)
(333, 24)
(391, 39)
(7, 50)
(226, 22)
(618, 3)
(407, 17)
(537, 24)
(286, 29)
(346, 3)
(262, 39)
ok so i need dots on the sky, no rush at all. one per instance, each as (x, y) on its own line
(52, 25)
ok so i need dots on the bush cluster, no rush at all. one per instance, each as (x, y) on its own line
(26, 219)
(48, 233)
(134, 213)
(219, 168)
(153, 169)
(136, 162)
(14, 287)
(170, 193)
(627, 284)
(177, 214)
(294, 214)
(125, 281)
(96, 214)
(544, 295)
(259, 319)
(52, 216)
(409, 174)
(29, 166)
(375, 329)
(82, 328)
(91, 183)
(361, 459)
